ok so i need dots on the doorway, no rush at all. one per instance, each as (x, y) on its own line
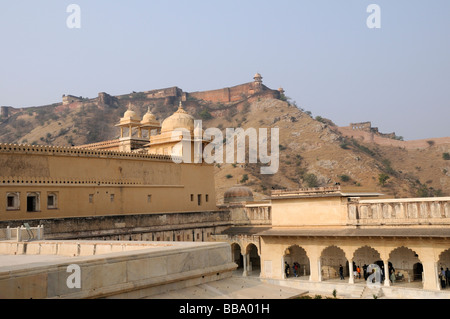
(32, 203)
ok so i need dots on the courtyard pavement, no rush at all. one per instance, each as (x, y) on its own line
(235, 287)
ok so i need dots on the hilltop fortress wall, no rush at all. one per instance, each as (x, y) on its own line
(364, 134)
(174, 94)
(234, 94)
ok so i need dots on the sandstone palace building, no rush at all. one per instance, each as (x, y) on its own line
(130, 189)
(41, 182)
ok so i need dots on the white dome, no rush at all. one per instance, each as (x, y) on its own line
(179, 119)
(150, 119)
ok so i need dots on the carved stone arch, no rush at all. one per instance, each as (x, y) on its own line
(236, 253)
(333, 247)
(405, 248)
(295, 253)
(332, 258)
(444, 259)
(237, 243)
(253, 258)
(407, 261)
(248, 248)
(366, 255)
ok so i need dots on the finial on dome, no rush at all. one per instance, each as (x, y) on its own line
(180, 108)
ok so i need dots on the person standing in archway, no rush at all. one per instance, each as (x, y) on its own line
(447, 275)
(442, 277)
(286, 269)
(296, 269)
(341, 272)
(392, 276)
(365, 271)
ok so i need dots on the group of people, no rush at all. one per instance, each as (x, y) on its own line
(362, 271)
(444, 276)
(295, 269)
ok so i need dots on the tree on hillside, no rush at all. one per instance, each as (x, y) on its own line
(311, 180)
(382, 179)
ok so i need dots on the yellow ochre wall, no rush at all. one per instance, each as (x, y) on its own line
(75, 174)
(309, 212)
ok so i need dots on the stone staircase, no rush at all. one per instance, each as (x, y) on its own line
(371, 293)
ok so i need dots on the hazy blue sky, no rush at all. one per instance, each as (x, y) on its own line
(321, 52)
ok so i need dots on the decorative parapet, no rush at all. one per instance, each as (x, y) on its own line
(306, 192)
(409, 211)
(339, 191)
(104, 144)
(78, 152)
(260, 214)
(21, 180)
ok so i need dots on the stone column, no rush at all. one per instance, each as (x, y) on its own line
(315, 274)
(438, 282)
(351, 280)
(42, 232)
(121, 131)
(244, 261)
(319, 265)
(431, 269)
(387, 282)
(431, 276)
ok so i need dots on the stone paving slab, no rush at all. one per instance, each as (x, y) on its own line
(233, 288)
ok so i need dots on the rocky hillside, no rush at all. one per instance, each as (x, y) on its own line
(313, 152)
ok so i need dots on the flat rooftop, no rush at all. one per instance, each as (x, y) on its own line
(41, 269)
(331, 191)
(18, 261)
(418, 232)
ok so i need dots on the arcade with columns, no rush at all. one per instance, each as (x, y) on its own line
(322, 229)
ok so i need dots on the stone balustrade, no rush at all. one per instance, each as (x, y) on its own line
(305, 191)
(259, 214)
(22, 233)
(409, 211)
(75, 248)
